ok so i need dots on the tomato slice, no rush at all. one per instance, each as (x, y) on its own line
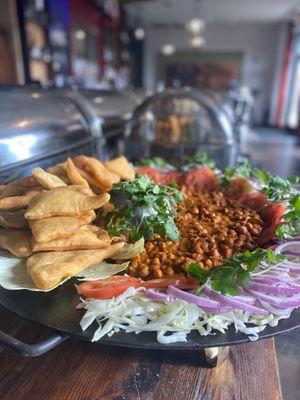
(254, 200)
(151, 173)
(202, 178)
(109, 287)
(182, 283)
(271, 215)
(169, 177)
(238, 187)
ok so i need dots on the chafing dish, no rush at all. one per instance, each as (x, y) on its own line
(178, 122)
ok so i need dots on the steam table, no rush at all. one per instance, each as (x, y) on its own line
(81, 370)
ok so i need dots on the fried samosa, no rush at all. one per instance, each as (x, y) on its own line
(19, 187)
(48, 269)
(16, 241)
(48, 229)
(47, 180)
(17, 202)
(87, 237)
(74, 174)
(14, 220)
(121, 167)
(101, 175)
(60, 171)
(63, 201)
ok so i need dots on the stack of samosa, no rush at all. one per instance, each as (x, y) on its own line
(57, 223)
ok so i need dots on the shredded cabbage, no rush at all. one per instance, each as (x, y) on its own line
(172, 320)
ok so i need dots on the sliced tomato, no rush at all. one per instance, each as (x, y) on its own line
(182, 283)
(254, 200)
(151, 172)
(238, 187)
(109, 287)
(271, 215)
(170, 177)
(202, 178)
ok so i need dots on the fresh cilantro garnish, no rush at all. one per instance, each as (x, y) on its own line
(241, 169)
(198, 159)
(155, 162)
(148, 209)
(294, 180)
(274, 187)
(292, 218)
(234, 271)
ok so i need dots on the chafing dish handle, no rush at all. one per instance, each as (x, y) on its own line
(32, 350)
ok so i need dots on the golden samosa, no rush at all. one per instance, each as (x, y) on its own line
(20, 187)
(48, 269)
(17, 202)
(87, 237)
(63, 201)
(48, 229)
(47, 180)
(121, 167)
(16, 241)
(14, 220)
(60, 171)
(74, 174)
(100, 174)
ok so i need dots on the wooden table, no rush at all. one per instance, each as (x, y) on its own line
(83, 371)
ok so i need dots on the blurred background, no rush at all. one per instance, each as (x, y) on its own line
(153, 77)
(250, 47)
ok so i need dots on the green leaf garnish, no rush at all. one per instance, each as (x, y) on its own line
(291, 227)
(149, 210)
(155, 162)
(234, 271)
(198, 159)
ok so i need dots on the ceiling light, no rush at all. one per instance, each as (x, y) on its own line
(195, 25)
(197, 41)
(167, 49)
(80, 34)
(139, 33)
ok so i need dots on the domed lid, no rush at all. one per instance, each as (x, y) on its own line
(179, 116)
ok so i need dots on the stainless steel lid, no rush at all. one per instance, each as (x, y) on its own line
(35, 123)
(180, 116)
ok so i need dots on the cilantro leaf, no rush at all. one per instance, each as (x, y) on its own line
(235, 271)
(148, 209)
(155, 162)
(291, 226)
(198, 159)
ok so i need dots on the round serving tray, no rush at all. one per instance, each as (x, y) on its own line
(57, 310)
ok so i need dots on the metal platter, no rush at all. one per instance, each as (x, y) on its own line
(57, 310)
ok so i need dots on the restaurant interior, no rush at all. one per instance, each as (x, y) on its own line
(150, 78)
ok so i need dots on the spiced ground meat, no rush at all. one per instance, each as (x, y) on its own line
(212, 226)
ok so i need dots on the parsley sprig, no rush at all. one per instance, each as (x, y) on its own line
(155, 162)
(200, 158)
(291, 227)
(148, 209)
(196, 160)
(235, 271)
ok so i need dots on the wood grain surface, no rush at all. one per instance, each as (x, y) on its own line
(81, 371)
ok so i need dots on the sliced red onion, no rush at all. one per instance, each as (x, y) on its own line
(293, 301)
(282, 248)
(274, 289)
(191, 298)
(292, 253)
(282, 312)
(267, 279)
(230, 301)
(291, 267)
(152, 294)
